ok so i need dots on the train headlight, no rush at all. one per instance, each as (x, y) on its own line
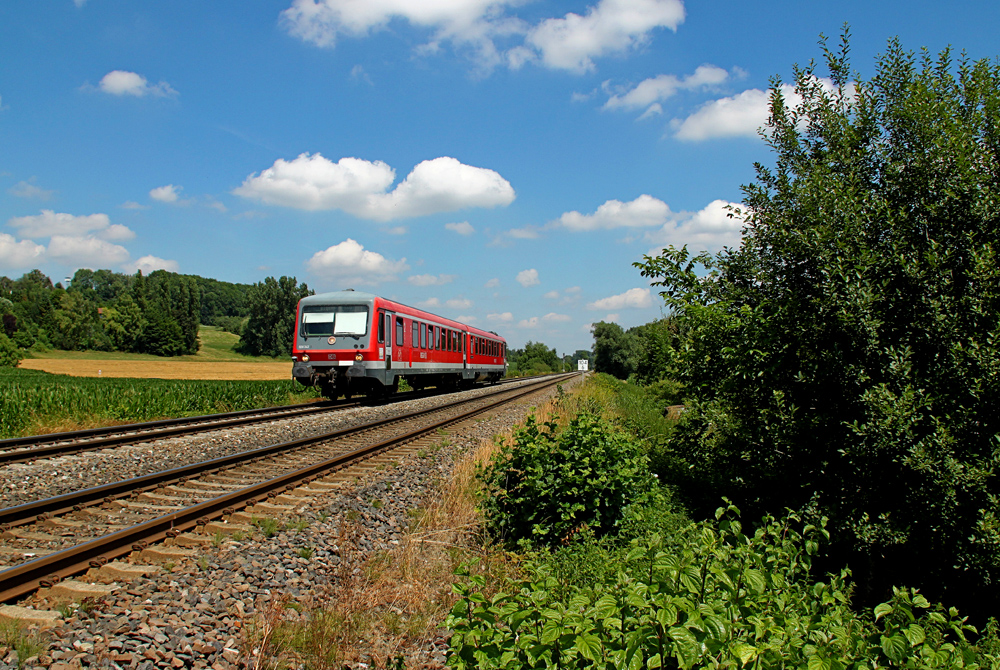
(305, 358)
(359, 357)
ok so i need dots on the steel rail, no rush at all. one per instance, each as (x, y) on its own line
(18, 581)
(24, 449)
(40, 510)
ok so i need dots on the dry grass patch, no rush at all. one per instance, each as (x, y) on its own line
(161, 369)
(391, 607)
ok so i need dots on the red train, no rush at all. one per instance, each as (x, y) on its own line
(354, 343)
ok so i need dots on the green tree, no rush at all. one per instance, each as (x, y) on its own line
(612, 350)
(271, 325)
(847, 353)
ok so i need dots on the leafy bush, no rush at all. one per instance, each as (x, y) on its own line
(850, 347)
(10, 355)
(549, 483)
(715, 598)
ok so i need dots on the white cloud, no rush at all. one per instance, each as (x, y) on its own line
(128, 204)
(396, 230)
(168, 193)
(551, 295)
(462, 228)
(430, 280)
(573, 289)
(642, 212)
(650, 92)
(612, 26)
(122, 82)
(429, 303)
(611, 318)
(708, 229)
(557, 318)
(350, 262)
(526, 233)
(634, 297)
(23, 254)
(739, 115)
(466, 318)
(27, 189)
(527, 278)
(152, 263)
(528, 323)
(359, 187)
(50, 223)
(492, 283)
(459, 303)
(79, 3)
(86, 251)
(568, 43)
(502, 317)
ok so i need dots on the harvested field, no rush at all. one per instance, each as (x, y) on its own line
(256, 371)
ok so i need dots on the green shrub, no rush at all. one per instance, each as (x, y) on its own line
(716, 598)
(551, 483)
(10, 355)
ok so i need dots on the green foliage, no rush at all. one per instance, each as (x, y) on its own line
(849, 349)
(642, 353)
(28, 397)
(10, 355)
(271, 326)
(549, 483)
(534, 359)
(713, 597)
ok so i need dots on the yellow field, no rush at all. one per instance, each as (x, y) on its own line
(253, 371)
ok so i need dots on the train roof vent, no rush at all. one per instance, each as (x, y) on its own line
(348, 289)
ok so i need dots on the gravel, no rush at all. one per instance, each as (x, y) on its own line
(196, 613)
(22, 483)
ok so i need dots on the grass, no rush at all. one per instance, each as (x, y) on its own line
(14, 634)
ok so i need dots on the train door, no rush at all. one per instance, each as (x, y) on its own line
(399, 347)
(385, 330)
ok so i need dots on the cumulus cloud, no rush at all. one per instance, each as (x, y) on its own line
(16, 255)
(359, 187)
(168, 193)
(459, 303)
(552, 317)
(462, 228)
(644, 211)
(86, 251)
(123, 82)
(634, 298)
(740, 115)
(551, 295)
(568, 43)
(500, 317)
(528, 323)
(430, 280)
(27, 189)
(492, 283)
(650, 92)
(129, 204)
(527, 278)
(350, 262)
(50, 223)
(429, 303)
(152, 263)
(612, 26)
(466, 318)
(711, 228)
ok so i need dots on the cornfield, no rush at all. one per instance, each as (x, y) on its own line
(29, 399)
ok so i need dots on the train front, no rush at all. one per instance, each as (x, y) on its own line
(333, 342)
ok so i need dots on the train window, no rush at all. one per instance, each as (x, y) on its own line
(423, 336)
(451, 340)
(415, 334)
(430, 337)
(399, 331)
(381, 327)
(326, 320)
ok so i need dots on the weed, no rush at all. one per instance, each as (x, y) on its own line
(237, 536)
(306, 552)
(65, 609)
(14, 634)
(422, 453)
(299, 524)
(169, 566)
(88, 606)
(217, 539)
(203, 563)
(269, 527)
(353, 515)
(377, 504)
(323, 516)
(380, 467)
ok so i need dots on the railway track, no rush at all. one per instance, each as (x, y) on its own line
(34, 447)
(48, 540)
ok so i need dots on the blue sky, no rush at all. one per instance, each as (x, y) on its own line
(503, 162)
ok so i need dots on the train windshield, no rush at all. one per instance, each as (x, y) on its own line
(327, 320)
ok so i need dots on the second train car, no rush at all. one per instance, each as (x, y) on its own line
(353, 343)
